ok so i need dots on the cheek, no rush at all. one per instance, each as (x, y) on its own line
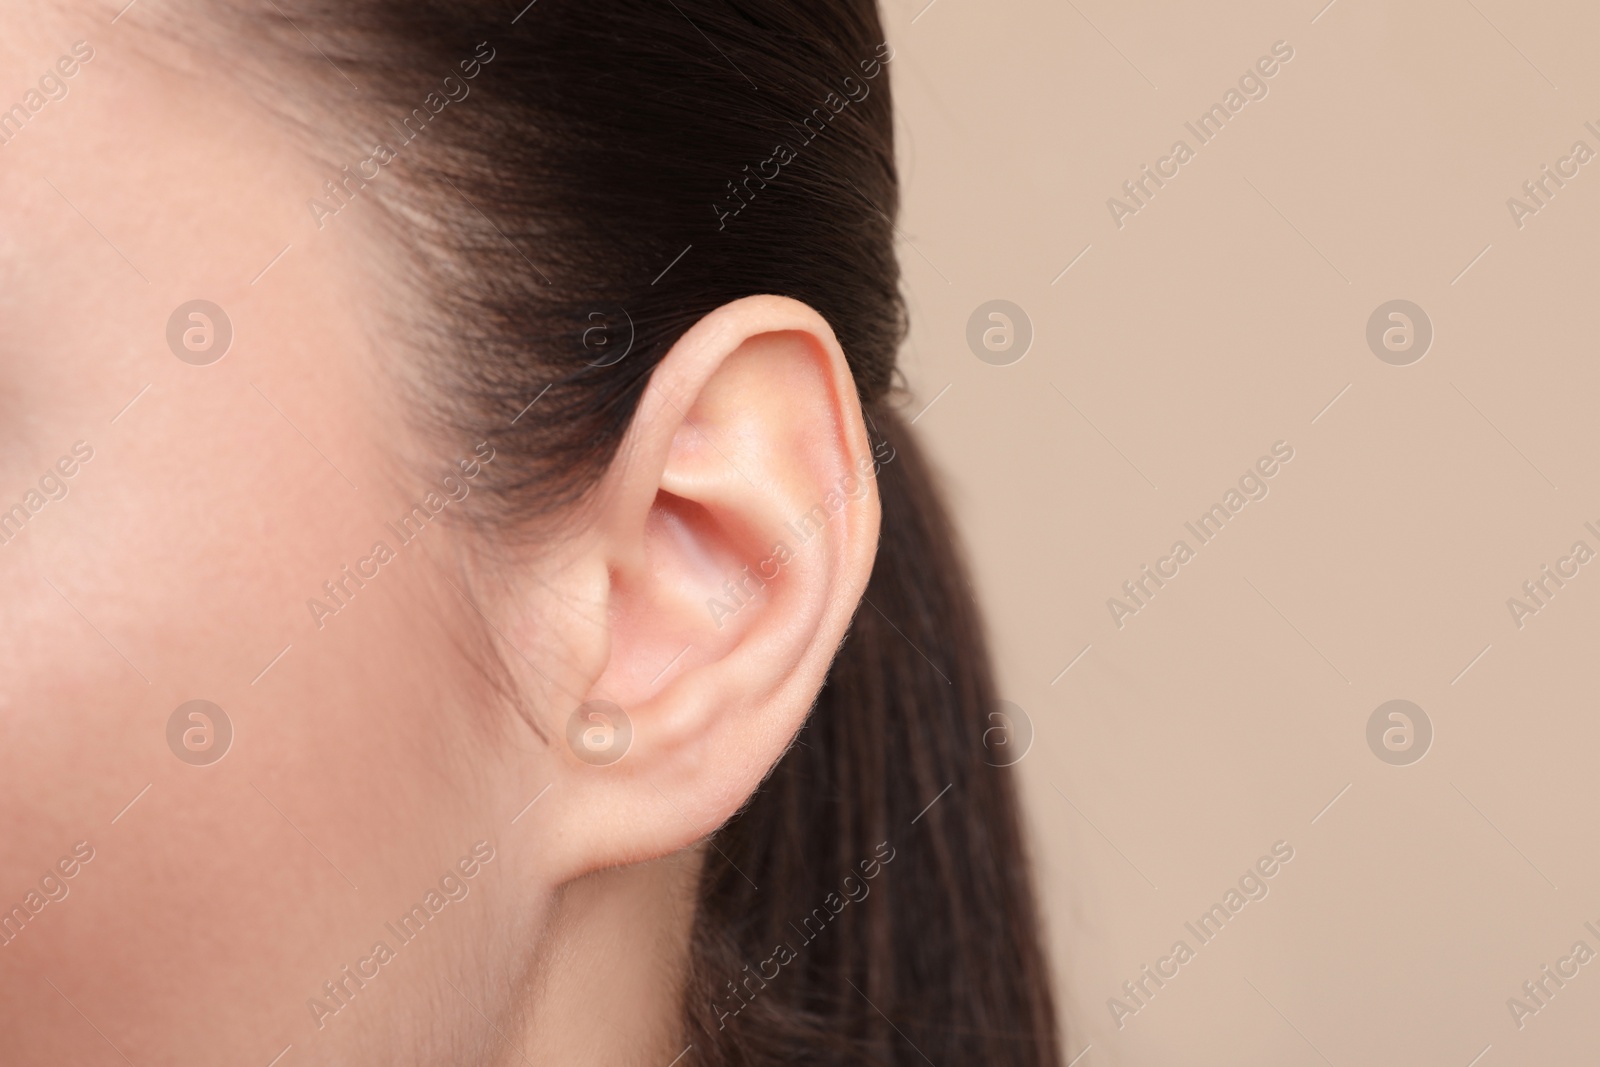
(177, 569)
(341, 772)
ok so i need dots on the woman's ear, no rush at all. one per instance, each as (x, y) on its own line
(730, 543)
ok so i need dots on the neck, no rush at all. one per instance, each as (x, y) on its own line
(607, 982)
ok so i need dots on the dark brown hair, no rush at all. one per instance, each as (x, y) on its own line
(611, 168)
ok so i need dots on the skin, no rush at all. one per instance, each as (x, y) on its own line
(376, 753)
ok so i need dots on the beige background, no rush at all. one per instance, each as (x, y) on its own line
(1223, 317)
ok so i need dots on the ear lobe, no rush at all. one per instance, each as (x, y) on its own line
(737, 528)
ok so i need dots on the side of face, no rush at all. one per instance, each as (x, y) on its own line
(294, 755)
(171, 523)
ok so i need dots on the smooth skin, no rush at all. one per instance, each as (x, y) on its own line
(371, 758)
